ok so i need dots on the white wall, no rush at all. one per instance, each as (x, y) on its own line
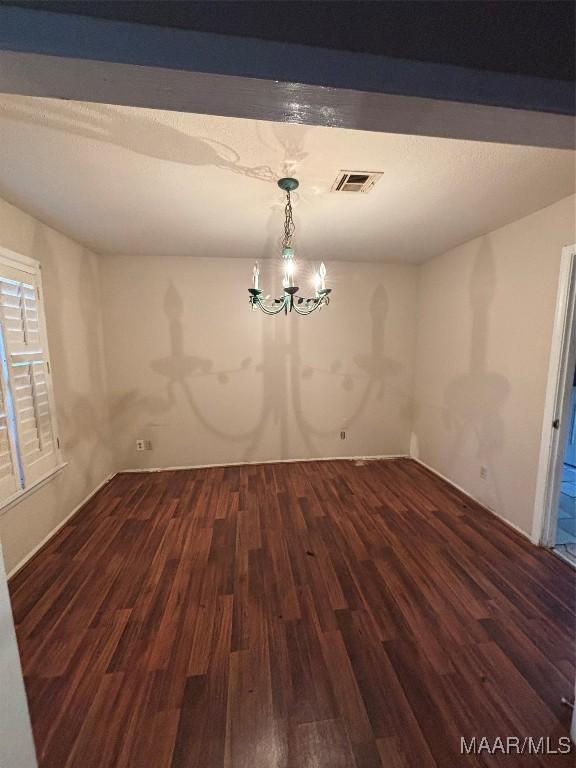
(485, 318)
(16, 743)
(192, 369)
(74, 321)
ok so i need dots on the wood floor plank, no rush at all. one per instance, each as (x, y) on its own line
(328, 614)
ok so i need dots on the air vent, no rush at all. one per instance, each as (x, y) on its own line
(355, 181)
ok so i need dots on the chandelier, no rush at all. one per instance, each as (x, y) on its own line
(289, 301)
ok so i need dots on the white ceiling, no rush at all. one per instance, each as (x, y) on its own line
(140, 181)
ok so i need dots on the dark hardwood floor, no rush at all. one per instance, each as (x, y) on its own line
(309, 615)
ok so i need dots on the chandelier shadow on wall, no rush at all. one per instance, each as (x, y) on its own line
(289, 301)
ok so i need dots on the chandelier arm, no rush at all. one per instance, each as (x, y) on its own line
(322, 300)
(268, 310)
(317, 303)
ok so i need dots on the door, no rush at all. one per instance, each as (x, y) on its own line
(570, 453)
(16, 742)
(559, 425)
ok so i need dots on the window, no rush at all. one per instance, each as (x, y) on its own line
(29, 446)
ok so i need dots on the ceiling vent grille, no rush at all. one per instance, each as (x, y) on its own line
(355, 181)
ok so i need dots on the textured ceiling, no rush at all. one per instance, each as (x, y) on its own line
(139, 181)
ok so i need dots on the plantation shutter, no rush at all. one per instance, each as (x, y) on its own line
(28, 372)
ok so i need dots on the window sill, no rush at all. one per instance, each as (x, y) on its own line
(16, 498)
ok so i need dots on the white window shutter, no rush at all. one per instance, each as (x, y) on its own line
(28, 372)
(10, 480)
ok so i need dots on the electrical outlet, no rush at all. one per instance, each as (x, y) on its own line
(343, 435)
(484, 473)
(143, 445)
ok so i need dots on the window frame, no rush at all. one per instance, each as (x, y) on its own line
(33, 267)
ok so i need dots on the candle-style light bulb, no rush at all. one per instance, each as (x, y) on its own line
(317, 282)
(255, 275)
(289, 270)
(322, 276)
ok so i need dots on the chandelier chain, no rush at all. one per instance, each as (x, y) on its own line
(289, 225)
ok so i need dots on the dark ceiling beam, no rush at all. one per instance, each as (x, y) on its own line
(91, 59)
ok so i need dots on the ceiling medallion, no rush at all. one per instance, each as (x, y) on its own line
(289, 300)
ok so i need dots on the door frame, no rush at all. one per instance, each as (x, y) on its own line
(557, 404)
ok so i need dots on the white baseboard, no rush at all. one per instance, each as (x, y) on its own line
(61, 524)
(381, 457)
(474, 499)
(267, 461)
(79, 506)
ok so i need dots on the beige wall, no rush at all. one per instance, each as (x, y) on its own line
(454, 351)
(73, 317)
(192, 369)
(485, 318)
